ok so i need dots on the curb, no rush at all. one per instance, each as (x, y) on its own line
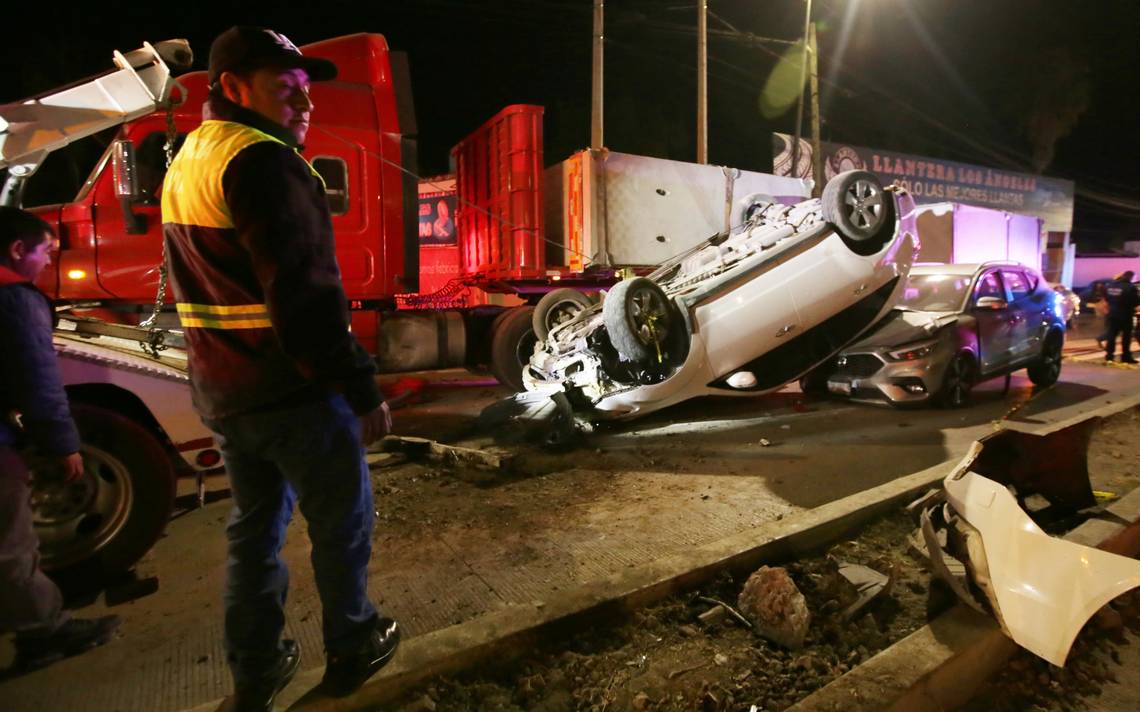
(943, 664)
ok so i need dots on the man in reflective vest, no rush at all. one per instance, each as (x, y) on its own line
(275, 372)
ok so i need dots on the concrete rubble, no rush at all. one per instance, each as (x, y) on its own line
(777, 609)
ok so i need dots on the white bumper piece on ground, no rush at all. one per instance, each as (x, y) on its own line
(1042, 589)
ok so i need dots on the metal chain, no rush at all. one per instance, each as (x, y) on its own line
(155, 336)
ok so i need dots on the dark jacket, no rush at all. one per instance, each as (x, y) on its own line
(252, 264)
(1122, 299)
(30, 382)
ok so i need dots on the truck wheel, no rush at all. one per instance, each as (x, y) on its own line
(512, 344)
(638, 318)
(1047, 369)
(557, 307)
(118, 509)
(854, 202)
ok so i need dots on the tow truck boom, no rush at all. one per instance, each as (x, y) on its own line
(30, 129)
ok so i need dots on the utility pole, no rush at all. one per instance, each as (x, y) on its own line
(816, 152)
(702, 83)
(800, 105)
(596, 139)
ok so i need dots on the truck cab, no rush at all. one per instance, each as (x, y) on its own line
(360, 142)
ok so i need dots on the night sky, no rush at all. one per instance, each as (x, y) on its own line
(1040, 86)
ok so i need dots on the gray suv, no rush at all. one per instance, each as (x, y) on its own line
(955, 325)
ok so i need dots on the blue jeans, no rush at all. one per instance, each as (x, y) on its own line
(309, 454)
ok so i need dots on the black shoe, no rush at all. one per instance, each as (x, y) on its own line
(1128, 359)
(344, 674)
(76, 636)
(258, 694)
(1109, 358)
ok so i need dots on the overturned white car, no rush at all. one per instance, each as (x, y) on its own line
(742, 313)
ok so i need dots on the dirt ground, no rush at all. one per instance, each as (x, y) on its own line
(664, 657)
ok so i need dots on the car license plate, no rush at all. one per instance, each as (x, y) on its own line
(841, 387)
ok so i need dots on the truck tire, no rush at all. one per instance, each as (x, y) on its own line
(1047, 369)
(638, 318)
(557, 307)
(113, 515)
(855, 204)
(512, 343)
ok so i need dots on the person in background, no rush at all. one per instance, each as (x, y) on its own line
(34, 411)
(1100, 309)
(1122, 299)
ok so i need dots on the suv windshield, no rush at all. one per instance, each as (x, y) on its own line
(935, 292)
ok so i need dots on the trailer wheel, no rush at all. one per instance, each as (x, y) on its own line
(555, 308)
(854, 202)
(512, 344)
(638, 319)
(113, 515)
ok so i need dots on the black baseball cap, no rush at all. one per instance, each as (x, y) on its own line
(245, 48)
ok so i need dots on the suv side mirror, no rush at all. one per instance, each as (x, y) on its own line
(127, 185)
(990, 303)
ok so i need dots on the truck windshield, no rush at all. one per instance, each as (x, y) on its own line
(935, 292)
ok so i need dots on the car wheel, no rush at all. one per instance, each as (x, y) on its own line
(638, 318)
(117, 510)
(555, 308)
(957, 382)
(855, 203)
(512, 344)
(1047, 369)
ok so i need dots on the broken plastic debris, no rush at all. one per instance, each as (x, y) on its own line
(869, 583)
(1043, 590)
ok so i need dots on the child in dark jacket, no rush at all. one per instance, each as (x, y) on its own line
(33, 411)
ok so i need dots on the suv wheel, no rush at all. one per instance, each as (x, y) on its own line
(957, 382)
(1047, 369)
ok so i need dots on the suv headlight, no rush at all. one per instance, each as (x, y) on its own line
(913, 352)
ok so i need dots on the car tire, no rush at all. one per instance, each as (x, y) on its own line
(555, 308)
(1047, 369)
(861, 211)
(116, 512)
(638, 319)
(512, 344)
(957, 382)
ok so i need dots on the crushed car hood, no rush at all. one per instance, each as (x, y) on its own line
(903, 327)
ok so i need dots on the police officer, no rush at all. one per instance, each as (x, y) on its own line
(275, 372)
(1122, 299)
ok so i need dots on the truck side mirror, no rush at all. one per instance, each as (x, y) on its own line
(126, 170)
(127, 185)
